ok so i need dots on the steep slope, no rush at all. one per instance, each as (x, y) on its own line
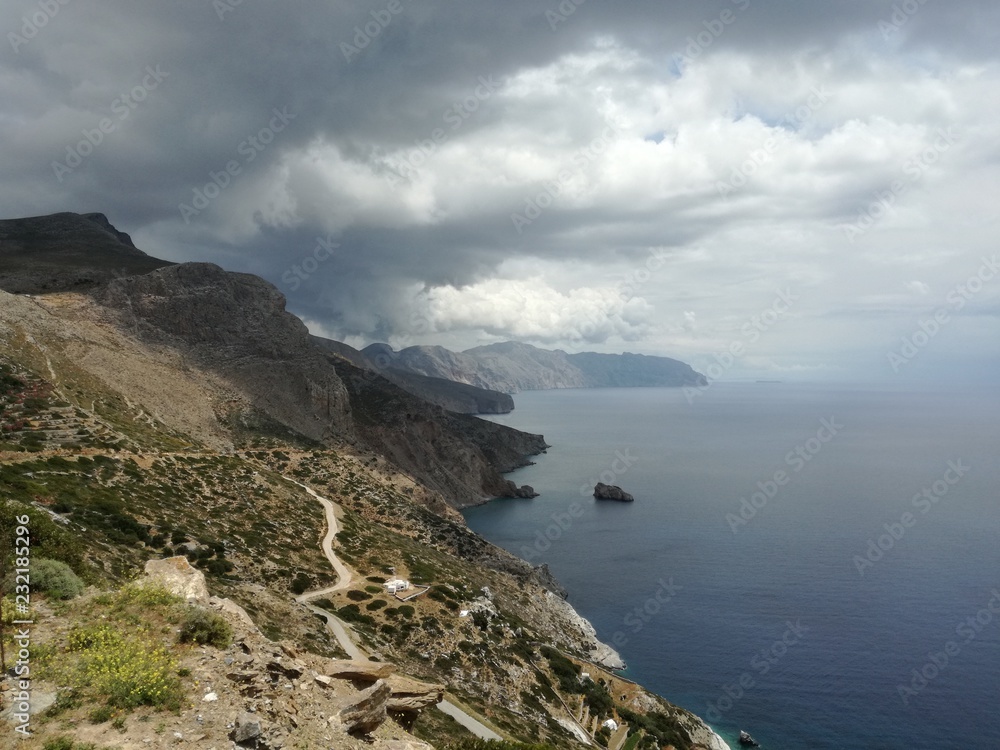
(457, 455)
(66, 251)
(236, 326)
(448, 394)
(511, 367)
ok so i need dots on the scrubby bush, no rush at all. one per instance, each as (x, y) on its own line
(301, 583)
(55, 578)
(126, 671)
(205, 628)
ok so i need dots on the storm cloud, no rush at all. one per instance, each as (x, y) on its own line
(649, 176)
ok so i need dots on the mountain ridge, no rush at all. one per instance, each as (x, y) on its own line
(511, 367)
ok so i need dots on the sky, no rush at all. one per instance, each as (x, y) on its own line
(775, 189)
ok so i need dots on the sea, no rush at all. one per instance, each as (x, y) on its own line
(816, 564)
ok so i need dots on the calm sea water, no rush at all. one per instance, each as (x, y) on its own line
(801, 620)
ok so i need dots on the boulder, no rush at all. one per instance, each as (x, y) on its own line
(247, 728)
(365, 712)
(611, 492)
(367, 671)
(408, 694)
(177, 576)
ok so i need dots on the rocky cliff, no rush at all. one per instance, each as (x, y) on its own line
(448, 394)
(511, 367)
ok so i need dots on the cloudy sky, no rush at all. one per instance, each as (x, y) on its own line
(811, 185)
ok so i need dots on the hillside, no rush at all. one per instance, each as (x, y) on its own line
(182, 412)
(244, 361)
(511, 367)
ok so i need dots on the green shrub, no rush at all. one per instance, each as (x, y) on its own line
(301, 583)
(55, 578)
(358, 596)
(205, 628)
(377, 604)
(101, 714)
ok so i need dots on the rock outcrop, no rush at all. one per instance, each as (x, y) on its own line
(410, 695)
(365, 671)
(611, 492)
(177, 576)
(365, 712)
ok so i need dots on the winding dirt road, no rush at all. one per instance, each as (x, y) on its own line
(342, 632)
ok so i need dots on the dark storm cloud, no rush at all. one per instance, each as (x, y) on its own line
(409, 133)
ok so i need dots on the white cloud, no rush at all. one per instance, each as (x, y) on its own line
(532, 310)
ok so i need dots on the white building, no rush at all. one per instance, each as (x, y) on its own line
(610, 725)
(396, 584)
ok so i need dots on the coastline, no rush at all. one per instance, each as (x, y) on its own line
(603, 655)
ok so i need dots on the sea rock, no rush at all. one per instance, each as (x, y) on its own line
(177, 576)
(611, 492)
(367, 671)
(366, 711)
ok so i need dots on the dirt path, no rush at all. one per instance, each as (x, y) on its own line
(342, 631)
(344, 574)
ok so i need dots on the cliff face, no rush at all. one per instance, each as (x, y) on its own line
(448, 394)
(460, 456)
(511, 367)
(236, 325)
